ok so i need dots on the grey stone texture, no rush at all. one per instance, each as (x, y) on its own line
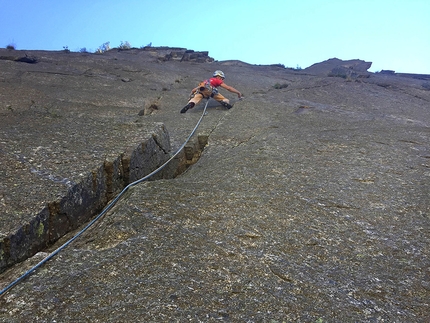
(308, 201)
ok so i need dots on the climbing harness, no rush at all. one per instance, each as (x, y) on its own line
(205, 88)
(105, 210)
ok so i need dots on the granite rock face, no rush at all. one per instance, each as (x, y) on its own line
(351, 69)
(306, 202)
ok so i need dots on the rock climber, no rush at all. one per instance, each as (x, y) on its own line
(209, 89)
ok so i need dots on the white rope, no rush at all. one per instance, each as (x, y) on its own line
(105, 210)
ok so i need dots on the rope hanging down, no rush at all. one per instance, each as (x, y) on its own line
(105, 210)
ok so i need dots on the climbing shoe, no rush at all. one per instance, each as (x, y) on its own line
(187, 107)
(226, 105)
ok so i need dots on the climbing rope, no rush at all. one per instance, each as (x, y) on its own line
(105, 210)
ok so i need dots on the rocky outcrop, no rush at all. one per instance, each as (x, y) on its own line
(425, 77)
(12, 55)
(339, 68)
(161, 53)
(179, 54)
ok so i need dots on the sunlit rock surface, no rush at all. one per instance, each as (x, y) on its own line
(309, 203)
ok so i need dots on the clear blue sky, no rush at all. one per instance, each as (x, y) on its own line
(393, 34)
